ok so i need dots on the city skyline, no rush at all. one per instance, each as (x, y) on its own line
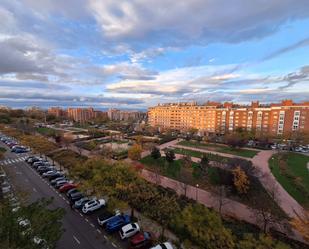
(136, 54)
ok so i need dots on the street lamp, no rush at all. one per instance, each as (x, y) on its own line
(196, 191)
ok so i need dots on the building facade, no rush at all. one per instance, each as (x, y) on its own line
(115, 114)
(212, 117)
(81, 114)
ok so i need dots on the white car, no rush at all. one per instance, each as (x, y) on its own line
(93, 205)
(129, 230)
(165, 245)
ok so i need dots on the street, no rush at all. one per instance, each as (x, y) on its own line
(81, 231)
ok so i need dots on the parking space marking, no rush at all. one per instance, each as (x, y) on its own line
(34, 190)
(92, 225)
(105, 237)
(86, 220)
(76, 239)
(98, 230)
(114, 245)
(80, 214)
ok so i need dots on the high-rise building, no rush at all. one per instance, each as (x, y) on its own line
(81, 114)
(212, 117)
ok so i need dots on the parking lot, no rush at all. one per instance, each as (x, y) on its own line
(81, 231)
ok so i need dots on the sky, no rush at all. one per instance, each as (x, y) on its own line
(133, 54)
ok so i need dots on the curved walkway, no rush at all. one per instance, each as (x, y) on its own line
(289, 205)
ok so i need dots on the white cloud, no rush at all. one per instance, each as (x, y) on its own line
(199, 20)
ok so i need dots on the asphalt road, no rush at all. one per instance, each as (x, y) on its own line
(81, 231)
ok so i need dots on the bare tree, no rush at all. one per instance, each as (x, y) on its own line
(266, 212)
(221, 192)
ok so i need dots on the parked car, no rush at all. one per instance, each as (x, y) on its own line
(106, 216)
(75, 197)
(81, 202)
(93, 205)
(129, 230)
(117, 222)
(67, 187)
(55, 175)
(45, 169)
(165, 245)
(141, 240)
(48, 173)
(60, 183)
(54, 181)
(71, 191)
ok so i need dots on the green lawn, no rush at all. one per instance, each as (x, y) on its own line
(46, 131)
(293, 175)
(198, 154)
(220, 148)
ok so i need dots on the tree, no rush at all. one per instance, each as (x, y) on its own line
(135, 152)
(263, 242)
(265, 211)
(170, 155)
(241, 181)
(204, 227)
(45, 223)
(301, 224)
(166, 209)
(66, 140)
(221, 192)
(204, 164)
(155, 153)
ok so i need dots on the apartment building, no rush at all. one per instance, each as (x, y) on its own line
(115, 114)
(81, 114)
(213, 117)
(57, 111)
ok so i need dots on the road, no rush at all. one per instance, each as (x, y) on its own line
(81, 231)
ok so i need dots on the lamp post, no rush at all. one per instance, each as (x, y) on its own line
(196, 191)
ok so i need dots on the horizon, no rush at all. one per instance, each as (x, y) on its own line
(134, 54)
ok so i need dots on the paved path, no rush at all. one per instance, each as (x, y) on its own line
(162, 147)
(211, 151)
(285, 200)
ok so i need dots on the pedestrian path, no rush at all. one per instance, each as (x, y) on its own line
(13, 160)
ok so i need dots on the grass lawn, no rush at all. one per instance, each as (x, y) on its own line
(220, 148)
(46, 131)
(198, 154)
(293, 175)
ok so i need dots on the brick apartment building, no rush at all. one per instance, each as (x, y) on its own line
(273, 119)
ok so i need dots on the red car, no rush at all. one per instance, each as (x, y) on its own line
(66, 187)
(141, 240)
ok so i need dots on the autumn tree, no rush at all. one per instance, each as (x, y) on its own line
(241, 181)
(262, 242)
(166, 207)
(155, 153)
(135, 152)
(301, 224)
(204, 227)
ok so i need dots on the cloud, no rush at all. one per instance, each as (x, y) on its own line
(199, 21)
(299, 44)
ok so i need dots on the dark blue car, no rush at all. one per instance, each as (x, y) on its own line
(115, 223)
